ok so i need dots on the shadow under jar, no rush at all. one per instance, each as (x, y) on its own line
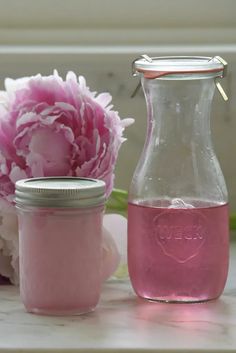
(60, 244)
(178, 236)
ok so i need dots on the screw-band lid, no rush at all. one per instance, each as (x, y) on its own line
(61, 192)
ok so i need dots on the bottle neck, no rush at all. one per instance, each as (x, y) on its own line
(178, 112)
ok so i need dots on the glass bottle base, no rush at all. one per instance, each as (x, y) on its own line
(178, 300)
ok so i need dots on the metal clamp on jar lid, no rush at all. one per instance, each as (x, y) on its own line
(63, 192)
(181, 68)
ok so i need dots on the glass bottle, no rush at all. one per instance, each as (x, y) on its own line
(178, 236)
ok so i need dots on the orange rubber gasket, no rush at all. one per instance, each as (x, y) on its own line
(155, 74)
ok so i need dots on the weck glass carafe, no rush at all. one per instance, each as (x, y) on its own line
(178, 205)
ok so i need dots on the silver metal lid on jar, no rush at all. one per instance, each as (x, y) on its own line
(166, 67)
(62, 192)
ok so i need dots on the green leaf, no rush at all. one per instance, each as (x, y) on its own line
(232, 221)
(117, 202)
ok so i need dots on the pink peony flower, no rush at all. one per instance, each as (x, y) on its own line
(51, 127)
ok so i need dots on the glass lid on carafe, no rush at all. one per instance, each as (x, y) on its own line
(179, 67)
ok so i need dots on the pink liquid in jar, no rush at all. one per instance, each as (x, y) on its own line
(178, 254)
(60, 259)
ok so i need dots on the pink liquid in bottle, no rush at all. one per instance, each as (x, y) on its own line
(178, 254)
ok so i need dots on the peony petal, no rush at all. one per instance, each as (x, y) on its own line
(55, 73)
(17, 174)
(116, 225)
(9, 234)
(49, 119)
(4, 102)
(65, 106)
(36, 162)
(127, 122)
(103, 99)
(27, 118)
(71, 76)
(110, 255)
(49, 151)
(84, 89)
(6, 187)
(82, 83)
(12, 85)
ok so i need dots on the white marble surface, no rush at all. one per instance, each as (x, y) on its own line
(122, 322)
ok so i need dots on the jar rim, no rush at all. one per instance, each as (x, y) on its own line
(189, 66)
(61, 192)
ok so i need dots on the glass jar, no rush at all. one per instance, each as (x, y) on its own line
(60, 244)
(178, 205)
